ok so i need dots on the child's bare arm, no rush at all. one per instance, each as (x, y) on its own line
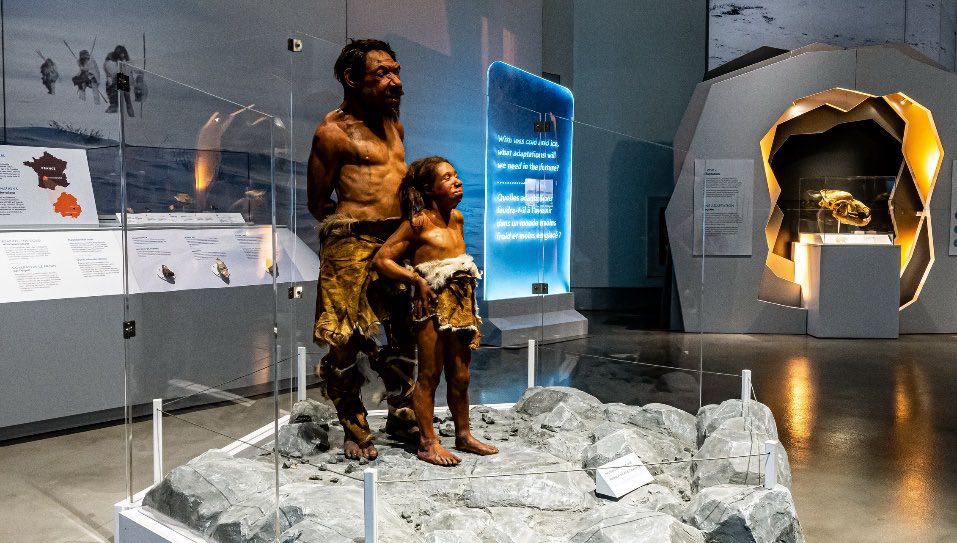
(387, 258)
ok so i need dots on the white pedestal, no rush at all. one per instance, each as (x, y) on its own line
(852, 291)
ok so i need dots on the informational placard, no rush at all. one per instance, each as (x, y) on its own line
(76, 264)
(61, 264)
(621, 476)
(205, 258)
(723, 210)
(45, 186)
(527, 183)
(953, 211)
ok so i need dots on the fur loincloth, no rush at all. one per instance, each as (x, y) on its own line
(454, 282)
(349, 298)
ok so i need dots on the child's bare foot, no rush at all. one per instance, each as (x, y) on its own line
(353, 451)
(435, 453)
(468, 443)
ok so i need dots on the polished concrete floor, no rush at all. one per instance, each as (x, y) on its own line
(870, 427)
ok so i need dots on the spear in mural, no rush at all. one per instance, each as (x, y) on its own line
(70, 48)
(141, 80)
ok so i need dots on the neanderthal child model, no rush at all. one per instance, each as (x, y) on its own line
(444, 277)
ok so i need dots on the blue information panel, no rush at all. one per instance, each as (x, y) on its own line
(528, 183)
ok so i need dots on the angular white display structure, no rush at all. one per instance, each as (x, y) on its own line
(621, 476)
(727, 117)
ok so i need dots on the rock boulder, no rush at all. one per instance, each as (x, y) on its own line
(710, 418)
(733, 513)
(732, 454)
(299, 439)
(538, 400)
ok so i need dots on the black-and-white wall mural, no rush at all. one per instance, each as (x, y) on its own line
(738, 27)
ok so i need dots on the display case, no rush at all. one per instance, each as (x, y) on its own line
(846, 210)
(583, 403)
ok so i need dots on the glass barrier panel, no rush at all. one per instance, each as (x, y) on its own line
(620, 276)
(313, 93)
(61, 288)
(205, 255)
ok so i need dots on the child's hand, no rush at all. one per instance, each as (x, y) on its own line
(424, 298)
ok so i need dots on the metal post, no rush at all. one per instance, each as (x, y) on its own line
(531, 363)
(771, 464)
(157, 440)
(370, 478)
(301, 373)
(745, 390)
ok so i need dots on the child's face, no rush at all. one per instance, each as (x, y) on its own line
(447, 187)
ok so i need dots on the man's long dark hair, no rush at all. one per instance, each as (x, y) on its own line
(353, 58)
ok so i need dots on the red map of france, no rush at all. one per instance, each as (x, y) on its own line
(50, 170)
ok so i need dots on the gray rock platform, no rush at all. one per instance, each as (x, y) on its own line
(540, 488)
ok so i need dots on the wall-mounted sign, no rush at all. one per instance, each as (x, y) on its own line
(527, 183)
(723, 210)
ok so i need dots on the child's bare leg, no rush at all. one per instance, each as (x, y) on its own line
(431, 354)
(458, 357)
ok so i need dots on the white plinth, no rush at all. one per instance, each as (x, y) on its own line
(851, 291)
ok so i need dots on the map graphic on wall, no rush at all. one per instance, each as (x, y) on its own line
(45, 186)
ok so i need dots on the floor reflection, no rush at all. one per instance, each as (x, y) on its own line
(800, 408)
(912, 444)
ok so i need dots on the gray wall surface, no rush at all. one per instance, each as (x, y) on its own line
(633, 69)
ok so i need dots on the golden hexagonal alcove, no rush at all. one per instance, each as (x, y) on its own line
(891, 135)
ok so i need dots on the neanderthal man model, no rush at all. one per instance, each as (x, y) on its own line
(358, 153)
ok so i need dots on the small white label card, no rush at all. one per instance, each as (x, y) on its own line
(621, 476)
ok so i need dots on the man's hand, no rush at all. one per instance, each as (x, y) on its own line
(424, 298)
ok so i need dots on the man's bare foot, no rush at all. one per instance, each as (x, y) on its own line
(353, 451)
(435, 453)
(470, 444)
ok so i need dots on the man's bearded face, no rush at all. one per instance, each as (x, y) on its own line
(380, 89)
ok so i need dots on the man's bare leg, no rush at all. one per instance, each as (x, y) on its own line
(395, 364)
(458, 358)
(431, 351)
(343, 383)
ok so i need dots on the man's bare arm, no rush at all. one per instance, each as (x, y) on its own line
(322, 171)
